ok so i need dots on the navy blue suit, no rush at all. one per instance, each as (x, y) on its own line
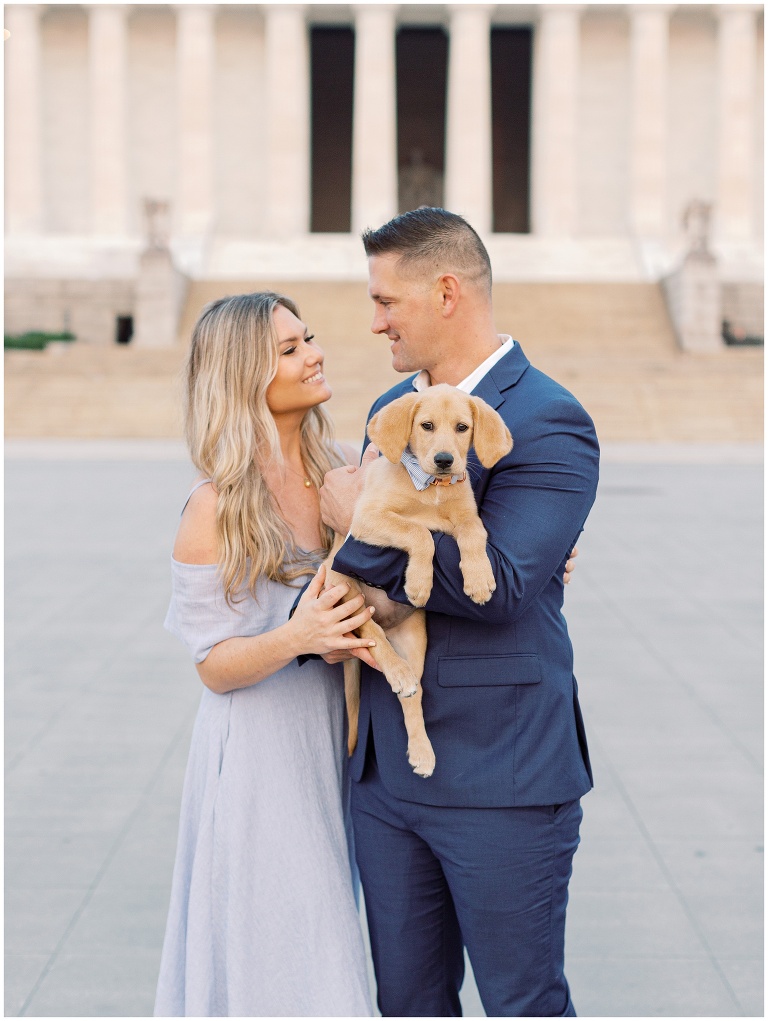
(501, 709)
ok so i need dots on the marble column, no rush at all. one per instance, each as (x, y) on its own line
(195, 64)
(737, 58)
(649, 45)
(374, 118)
(23, 121)
(468, 150)
(554, 200)
(287, 148)
(107, 97)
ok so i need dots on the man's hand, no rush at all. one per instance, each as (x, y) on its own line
(571, 563)
(340, 490)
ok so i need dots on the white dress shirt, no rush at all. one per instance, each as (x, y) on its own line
(422, 381)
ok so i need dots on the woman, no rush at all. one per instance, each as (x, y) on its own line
(263, 919)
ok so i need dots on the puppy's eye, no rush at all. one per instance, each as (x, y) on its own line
(428, 426)
(461, 427)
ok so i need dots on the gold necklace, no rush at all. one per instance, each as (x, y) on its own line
(300, 475)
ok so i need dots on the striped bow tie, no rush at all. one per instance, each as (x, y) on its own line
(420, 478)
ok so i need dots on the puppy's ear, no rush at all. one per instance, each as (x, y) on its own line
(491, 438)
(390, 428)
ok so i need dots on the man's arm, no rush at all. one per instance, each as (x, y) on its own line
(533, 510)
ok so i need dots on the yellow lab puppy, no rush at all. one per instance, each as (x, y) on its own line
(418, 487)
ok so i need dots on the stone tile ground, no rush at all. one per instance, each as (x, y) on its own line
(666, 617)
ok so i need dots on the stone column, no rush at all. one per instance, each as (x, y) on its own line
(195, 62)
(737, 55)
(107, 96)
(649, 44)
(468, 152)
(555, 110)
(286, 146)
(23, 120)
(374, 119)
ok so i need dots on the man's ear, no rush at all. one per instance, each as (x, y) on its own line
(390, 428)
(450, 291)
(490, 438)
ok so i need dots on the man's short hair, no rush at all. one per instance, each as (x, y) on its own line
(435, 240)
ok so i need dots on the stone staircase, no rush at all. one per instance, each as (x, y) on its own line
(612, 345)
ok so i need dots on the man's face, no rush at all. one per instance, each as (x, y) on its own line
(407, 311)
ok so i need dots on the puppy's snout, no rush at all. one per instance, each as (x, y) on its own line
(443, 460)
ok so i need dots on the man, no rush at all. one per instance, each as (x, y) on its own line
(478, 855)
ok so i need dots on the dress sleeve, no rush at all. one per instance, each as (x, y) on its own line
(199, 615)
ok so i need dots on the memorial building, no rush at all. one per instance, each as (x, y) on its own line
(149, 147)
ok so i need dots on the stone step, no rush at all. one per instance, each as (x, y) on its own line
(611, 345)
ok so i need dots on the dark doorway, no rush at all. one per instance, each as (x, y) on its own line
(124, 329)
(333, 61)
(511, 112)
(422, 67)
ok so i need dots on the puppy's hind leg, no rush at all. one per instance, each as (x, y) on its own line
(397, 670)
(409, 639)
(352, 698)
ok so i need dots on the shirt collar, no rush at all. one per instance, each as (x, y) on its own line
(422, 381)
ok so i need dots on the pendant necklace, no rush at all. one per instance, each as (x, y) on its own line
(301, 475)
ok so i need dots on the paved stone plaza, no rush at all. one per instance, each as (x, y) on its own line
(666, 617)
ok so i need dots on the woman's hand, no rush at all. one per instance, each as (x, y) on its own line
(343, 655)
(570, 565)
(320, 626)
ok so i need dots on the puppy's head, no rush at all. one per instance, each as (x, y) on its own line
(440, 425)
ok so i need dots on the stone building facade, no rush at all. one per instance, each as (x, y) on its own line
(573, 137)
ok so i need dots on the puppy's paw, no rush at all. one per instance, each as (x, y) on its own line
(421, 756)
(417, 596)
(403, 681)
(479, 582)
(418, 582)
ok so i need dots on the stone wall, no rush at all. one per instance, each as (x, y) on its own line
(89, 308)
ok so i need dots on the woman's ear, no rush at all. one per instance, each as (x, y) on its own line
(390, 428)
(491, 438)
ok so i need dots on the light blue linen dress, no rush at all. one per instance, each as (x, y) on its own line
(263, 918)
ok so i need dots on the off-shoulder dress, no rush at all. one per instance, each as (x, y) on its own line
(263, 918)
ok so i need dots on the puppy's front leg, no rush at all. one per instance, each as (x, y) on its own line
(390, 529)
(479, 582)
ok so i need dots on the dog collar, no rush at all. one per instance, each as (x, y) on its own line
(420, 478)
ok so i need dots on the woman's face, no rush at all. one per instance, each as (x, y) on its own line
(299, 383)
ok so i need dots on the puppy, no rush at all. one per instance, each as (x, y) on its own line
(418, 487)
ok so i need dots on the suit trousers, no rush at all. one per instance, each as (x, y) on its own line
(437, 879)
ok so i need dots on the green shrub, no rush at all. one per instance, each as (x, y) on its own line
(34, 340)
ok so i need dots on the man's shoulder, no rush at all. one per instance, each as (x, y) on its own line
(534, 391)
(544, 388)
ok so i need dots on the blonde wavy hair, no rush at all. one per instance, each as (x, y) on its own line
(232, 438)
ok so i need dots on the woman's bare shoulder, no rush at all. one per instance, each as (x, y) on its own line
(196, 541)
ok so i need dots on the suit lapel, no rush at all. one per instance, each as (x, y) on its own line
(493, 388)
(503, 375)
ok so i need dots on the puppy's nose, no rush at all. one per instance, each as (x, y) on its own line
(443, 460)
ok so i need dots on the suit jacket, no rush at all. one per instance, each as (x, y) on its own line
(499, 696)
